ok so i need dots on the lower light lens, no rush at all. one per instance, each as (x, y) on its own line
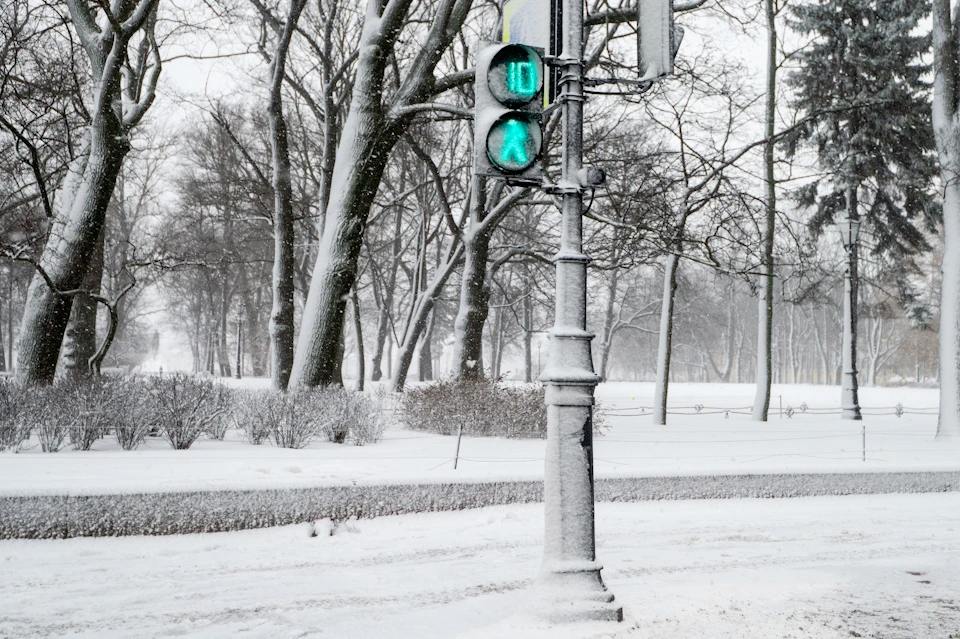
(514, 141)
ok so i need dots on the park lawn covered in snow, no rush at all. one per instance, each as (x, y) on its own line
(717, 439)
(709, 442)
(823, 567)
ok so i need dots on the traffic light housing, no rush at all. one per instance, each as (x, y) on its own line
(508, 106)
(658, 39)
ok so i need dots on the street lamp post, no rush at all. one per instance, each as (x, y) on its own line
(571, 583)
(850, 233)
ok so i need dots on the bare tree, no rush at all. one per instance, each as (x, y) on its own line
(122, 88)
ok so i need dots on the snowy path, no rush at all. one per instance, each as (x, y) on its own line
(695, 444)
(878, 566)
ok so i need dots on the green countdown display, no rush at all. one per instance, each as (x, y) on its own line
(515, 77)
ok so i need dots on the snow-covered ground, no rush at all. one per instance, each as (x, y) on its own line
(709, 442)
(825, 567)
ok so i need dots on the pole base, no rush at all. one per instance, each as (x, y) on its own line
(572, 592)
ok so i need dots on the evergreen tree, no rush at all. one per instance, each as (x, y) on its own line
(864, 78)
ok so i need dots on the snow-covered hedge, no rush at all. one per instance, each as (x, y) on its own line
(181, 408)
(482, 408)
(171, 513)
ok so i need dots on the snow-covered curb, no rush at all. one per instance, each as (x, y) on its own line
(49, 517)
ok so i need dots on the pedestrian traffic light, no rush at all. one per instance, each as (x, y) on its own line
(508, 134)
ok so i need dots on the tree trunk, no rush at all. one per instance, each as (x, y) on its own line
(528, 335)
(361, 158)
(418, 320)
(761, 401)
(282, 309)
(425, 362)
(3, 359)
(358, 336)
(947, 131)
(949, 335)
(607, 341)
(496, 343)
(474, 296)
(72, 240)
(665, 343)
(80, 338)
(386, 301)
(849, 393)
(10, 355)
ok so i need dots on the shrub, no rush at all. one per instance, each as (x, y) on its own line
(87, 407)
(13, 430)
(185, 407)
(272, 414)
(44, 415)
(132, 412)
(343, 415)
(255, 414)
(484, 408)
(297, 419)
(366, 426)
(294, 419)
(217, 427)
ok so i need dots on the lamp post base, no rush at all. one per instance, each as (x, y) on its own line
(573, 591)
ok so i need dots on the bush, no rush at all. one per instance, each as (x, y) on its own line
(133, 417)
(484, 408)
(13, 430)
(366, 426)
(294, 419)
(44, 415)
(297, 419)
(185, 407)
(255, 414)
(344, 415)
(217, 427)
(87, 409)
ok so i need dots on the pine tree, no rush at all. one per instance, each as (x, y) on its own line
(864, 78)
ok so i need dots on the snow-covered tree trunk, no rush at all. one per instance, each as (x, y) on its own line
(122, 90)
(368, 136)
(71, 242)
(761, 401)
(358, 338)
(606, 342)
(386, 301)
(850, 391)
(421, 312)
(3, 358)
(425, 361)
(474, 296)
(947, 131)
(528, 334)
(361, 157)
(80, 338)
(665, 342)
(282, 308)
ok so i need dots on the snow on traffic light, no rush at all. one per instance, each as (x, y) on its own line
(508, 108)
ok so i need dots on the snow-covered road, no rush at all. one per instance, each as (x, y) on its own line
(878, 566)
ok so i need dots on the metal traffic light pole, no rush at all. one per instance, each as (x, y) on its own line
(571, 581)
